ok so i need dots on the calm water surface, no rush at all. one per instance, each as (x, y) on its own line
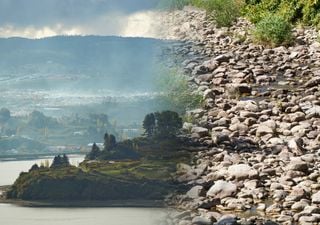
(14, 215)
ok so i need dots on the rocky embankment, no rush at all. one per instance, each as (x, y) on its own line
(260, 121)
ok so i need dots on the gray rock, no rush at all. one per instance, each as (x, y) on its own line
(299, 206)
(222, 189)
(311, 209)
(219, 138)
(198, 220)
(314, 111)
(316, 198)
(307, 219)
(264, 130)
(297, 117)
(195, 192)
(296, 146)
(208, 203)
(182, 215)
(187, 126)
(313, 82)
(242, 172)
(269, 222)
(201, 131)
(296, 194)
(248, 105)
(223, 58)
(238, 89)
(228, 221)
(279, 195)
(298, 165)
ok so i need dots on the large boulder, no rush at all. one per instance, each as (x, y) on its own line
(199, 220)
(297, 165)
(238, 89)
(296, 146)
(222, 189)
(312, 82)
(264, 130)
(316, 198)
(228, 221)
(200, 131)
(242, 172)
(248, 105)
(195, 192)
(297, 117)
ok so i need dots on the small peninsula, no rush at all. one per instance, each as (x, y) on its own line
(140, 171)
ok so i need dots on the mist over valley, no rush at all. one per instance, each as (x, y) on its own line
(68, 79)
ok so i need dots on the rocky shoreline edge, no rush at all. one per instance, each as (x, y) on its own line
(135, 203)
(260, 121)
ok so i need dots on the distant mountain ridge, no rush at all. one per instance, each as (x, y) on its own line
(105, 61)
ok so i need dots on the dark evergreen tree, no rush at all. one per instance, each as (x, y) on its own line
(34, 167)
(65, 160)
(109, 142)
(112, 141)
(60, 161)
(94, 153)
(149, 124)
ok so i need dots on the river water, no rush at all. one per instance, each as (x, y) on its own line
(16, 215)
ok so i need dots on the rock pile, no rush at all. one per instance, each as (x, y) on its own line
(260, 123)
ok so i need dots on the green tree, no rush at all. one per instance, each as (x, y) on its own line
(94, 153)
(168, 123)
(60, 161)
(109, 142)
(112, 141)
(34, 167)
(149, 124)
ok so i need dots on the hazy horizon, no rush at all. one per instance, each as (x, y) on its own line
(47, 18)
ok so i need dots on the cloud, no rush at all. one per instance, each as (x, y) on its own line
(143, 24)
(40, 18)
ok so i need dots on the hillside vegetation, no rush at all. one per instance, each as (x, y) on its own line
(273, 19)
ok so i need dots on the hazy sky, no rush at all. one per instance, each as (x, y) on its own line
(40, 18)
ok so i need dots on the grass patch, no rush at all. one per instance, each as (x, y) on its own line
(224, 12)
(273, 30)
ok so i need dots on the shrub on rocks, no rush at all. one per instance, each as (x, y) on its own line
(306, 11)
(224, 12)
(273, 30)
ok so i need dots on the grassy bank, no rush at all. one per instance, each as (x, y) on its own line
(149, 178)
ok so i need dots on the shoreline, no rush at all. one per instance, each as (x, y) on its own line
(26, 157)
(260, 123)
(86, 204)
(134, 203)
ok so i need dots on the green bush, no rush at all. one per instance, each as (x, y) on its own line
(273, 30)
(224, 12)
(306, 11)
